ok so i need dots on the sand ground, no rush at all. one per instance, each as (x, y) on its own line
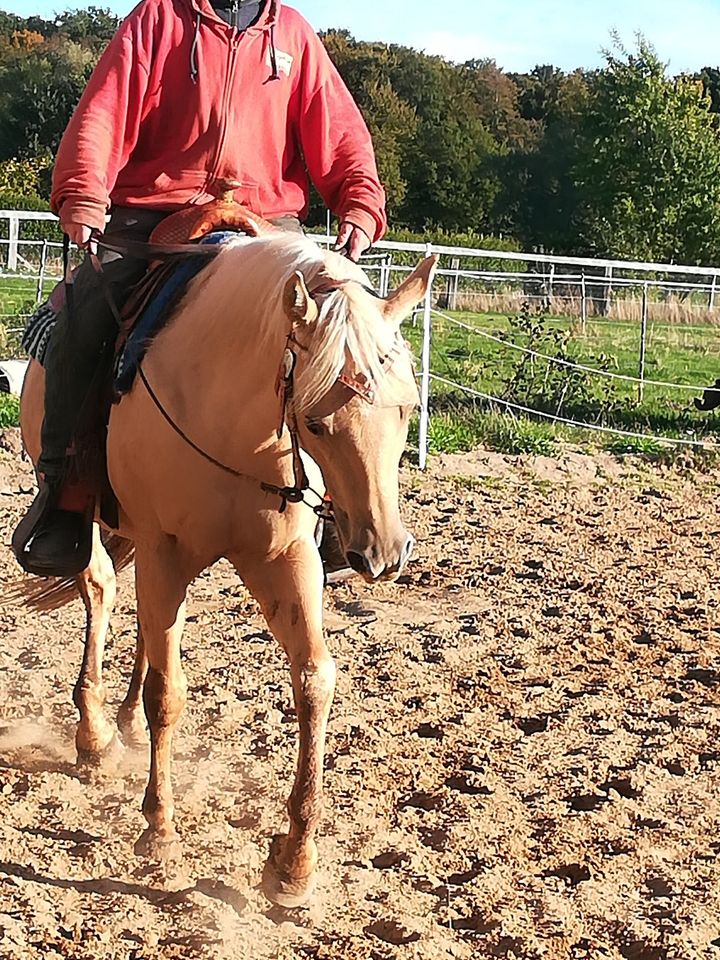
(523, 758)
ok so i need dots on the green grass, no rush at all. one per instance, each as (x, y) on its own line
(678, 354)
(9, 411)
(688, 355)
(456, 432)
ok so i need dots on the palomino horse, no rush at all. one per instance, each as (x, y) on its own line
(209, 396)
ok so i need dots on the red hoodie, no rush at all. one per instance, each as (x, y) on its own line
(179, 100)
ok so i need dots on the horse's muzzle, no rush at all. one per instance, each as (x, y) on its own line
(375, 564)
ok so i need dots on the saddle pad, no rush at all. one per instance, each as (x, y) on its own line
(150, 321)
(154, 316)
(39, 324)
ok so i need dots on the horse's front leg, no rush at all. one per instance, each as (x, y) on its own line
(95, 737)
(162, 574)
(289, 590)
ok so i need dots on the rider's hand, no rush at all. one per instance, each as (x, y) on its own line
(351, 241)
(79, 233)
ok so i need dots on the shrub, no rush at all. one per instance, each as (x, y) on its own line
(9, 411)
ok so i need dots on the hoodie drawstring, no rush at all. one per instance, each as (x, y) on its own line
(193, 50)
(273, 54)
(275, 75)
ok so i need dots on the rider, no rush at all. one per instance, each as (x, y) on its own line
(188, 94)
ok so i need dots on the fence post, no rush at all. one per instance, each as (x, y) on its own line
(385, 267)
(41, 274)
(643, 340)
(454, 281)
(583, 302)
(711, 303)
(425, 376)
(608, 291)
(13, 236)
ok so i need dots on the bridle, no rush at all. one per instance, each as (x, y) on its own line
(293, 493)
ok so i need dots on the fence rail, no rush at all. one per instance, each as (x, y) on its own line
(648, 295)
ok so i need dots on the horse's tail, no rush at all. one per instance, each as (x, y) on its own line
(52, 593)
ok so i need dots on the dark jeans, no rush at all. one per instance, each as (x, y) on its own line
(81, 347)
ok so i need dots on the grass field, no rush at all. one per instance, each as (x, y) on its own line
(676, 354)
(682, 354)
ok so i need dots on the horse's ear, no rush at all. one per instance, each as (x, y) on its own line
(410, 292)
(299, 305)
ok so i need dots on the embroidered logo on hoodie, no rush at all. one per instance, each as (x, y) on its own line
(284, 61)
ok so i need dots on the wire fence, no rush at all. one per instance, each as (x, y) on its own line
(650, 313)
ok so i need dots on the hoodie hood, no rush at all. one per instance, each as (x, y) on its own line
(203, 9)
(268, 18)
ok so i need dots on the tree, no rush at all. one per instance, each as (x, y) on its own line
(93, 27)
(392, 121)
(648, 169)
(39, 87)
(710, 79)
(540, 197)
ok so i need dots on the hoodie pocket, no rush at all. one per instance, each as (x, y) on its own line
(179, 181)
(247, 193)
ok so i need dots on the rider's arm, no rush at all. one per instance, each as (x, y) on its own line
(104, 128)
(337, 145)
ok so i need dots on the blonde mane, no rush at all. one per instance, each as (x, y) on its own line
(253, 271)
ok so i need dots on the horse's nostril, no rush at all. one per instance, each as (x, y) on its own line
(357, 561)
(406, 550)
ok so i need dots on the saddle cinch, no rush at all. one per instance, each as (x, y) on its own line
(171, 266)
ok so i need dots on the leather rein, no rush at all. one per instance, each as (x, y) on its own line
(300, 487)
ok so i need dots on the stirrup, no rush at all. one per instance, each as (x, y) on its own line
(38, 520)
(335, 567)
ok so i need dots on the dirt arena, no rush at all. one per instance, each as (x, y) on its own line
(523, 759)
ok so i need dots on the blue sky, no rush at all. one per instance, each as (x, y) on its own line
(517, 34)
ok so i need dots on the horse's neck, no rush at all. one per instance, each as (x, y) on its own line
(221, 381)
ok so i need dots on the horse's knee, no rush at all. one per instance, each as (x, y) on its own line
(88, 695)
(316, 684)
(164, 699)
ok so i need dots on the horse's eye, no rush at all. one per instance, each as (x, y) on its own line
(315, 428)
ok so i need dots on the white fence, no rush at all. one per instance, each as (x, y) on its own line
(469, 281)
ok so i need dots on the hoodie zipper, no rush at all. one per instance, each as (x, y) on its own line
(234, 44)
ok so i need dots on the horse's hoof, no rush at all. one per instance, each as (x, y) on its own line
(280, 888)
(102, 758)
(161, 847)
(133, 731)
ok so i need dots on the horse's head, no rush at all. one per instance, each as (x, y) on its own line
(354, 392)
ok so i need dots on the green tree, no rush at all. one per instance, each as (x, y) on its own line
(391, 120)
(433, 144)
(93, 27)
(40, 83)
(710, 79)
(540, 197)
(648, 168)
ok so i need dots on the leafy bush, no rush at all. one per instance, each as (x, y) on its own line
(9, 411)
(29, 229)
(26, 178)
(554, 385)
(446, 238)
